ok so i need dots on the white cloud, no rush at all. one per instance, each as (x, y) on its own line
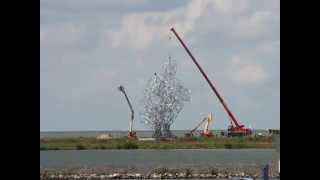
(228, 7)
(269, 47)
(101, 80)
(140, 30)
(256, 26)
(237, 19)
(126, 2)
(134, 33)
(244, 71)
(250, 73)
(65, 34)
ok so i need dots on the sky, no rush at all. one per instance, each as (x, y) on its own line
(89, 48)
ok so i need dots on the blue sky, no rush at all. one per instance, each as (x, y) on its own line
(88, 48)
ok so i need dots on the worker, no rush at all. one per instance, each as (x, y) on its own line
(266, 172)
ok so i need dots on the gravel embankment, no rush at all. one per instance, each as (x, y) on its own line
(108, 172)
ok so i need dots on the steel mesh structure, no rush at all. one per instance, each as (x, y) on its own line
(164, 98)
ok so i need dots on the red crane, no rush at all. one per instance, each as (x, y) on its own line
(237, 130)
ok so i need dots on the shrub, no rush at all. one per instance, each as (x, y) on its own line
(81, 147)
(103, 147)
(128, 145)
(49, 148)
(241, 145)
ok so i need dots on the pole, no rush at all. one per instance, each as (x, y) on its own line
(205, 76)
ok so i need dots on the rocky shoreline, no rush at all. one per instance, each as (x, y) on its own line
(152, 176)
(158, 173)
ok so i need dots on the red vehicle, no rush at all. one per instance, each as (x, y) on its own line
(238, 130)
(233, 130)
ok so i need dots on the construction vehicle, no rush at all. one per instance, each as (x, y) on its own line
(205, 132)
(131, 133)
(234, 129)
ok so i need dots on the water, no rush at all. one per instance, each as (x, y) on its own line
(62, 134)
(154, 158)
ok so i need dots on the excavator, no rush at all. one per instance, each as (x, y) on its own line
(205, 132)
(234, 129)
(131, 133)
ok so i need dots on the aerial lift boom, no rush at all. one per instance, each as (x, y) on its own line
(194, 129)
(206, 132)
(239, 129)
(131, 133)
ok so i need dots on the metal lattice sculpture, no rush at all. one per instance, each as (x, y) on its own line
(164, 98)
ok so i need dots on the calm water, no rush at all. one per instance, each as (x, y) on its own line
(152, 158)
(179, 133)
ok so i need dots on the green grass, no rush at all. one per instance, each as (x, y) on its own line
(81, 147)
(180, 143)
(127, 145)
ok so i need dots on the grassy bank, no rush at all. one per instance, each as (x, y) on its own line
(180, 143)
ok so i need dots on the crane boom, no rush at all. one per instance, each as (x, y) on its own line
(209, 82)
